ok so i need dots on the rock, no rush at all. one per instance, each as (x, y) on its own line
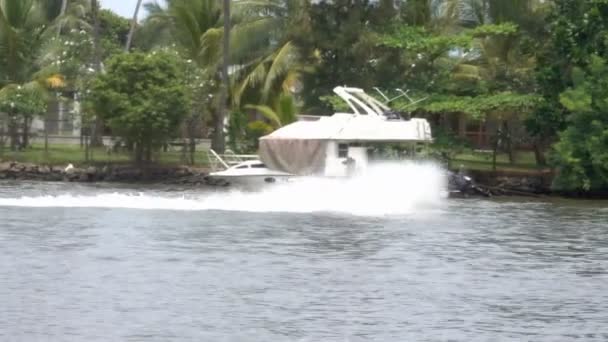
(91, 171)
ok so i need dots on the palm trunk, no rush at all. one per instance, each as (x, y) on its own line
(64, 7)
(96, 134)
(219, 141)
(133, 25)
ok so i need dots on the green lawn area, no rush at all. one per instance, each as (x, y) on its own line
(62, 154)
(524, 161)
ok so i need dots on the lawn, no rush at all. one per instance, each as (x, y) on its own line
(62, 154)
(524, 161)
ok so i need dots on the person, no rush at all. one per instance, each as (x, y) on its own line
(350, 166)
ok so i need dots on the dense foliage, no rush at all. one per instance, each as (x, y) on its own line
(521, 63)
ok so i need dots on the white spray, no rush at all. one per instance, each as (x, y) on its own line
(387, 189)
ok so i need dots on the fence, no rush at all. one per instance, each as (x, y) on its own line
(65, 149)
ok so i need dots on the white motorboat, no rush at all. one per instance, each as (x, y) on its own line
(248, 172)
(336, 146)
(327, 146)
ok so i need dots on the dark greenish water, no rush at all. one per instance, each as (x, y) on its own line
(107, 263)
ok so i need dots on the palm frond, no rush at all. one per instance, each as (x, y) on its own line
(283, 60)
(252, 79)
(268, 113)
(286, 108)
(211, 52)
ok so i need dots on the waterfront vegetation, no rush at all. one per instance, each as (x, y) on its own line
(527, 76)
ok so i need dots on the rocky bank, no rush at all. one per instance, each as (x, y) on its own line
(104, 173)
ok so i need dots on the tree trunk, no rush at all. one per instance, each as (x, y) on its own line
(133, 25)
(96, 134)
(219, 142)
(139, 153)
(497, 138)
(193, 124)
(148, 153)
(509, 142)
(13, 132)
(1, 138)
(86, 147)
(539, 150)
(25, 133)
(46, 134)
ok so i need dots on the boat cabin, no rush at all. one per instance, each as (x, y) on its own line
(338, 144)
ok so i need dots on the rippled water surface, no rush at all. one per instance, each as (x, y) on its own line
(107, 263)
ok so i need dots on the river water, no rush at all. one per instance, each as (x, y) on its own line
(110, 263)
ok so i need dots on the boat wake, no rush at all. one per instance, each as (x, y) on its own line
(387, 189)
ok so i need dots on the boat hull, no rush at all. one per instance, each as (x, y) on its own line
(226, 180)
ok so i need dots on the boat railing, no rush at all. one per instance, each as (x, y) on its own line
(227, 159)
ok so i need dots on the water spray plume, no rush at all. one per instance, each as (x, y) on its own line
(386, 189)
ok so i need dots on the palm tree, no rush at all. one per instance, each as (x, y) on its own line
(23, 24)
(263, 58)
(270, 59)
(21, 28)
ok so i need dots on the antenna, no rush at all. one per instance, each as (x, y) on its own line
(412, 101)
(387, 100)
(382, 94)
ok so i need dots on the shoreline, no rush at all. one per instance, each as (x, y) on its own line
(498, 183)
(111, 173)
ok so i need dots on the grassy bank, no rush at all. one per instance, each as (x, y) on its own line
(524, 162)
(63, 154)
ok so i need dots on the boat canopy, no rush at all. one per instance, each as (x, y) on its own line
(301, 147)
(355, 128)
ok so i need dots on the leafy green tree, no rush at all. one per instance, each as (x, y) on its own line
(143, 99)
(582, 151)
(573, 93)
(22, 103)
